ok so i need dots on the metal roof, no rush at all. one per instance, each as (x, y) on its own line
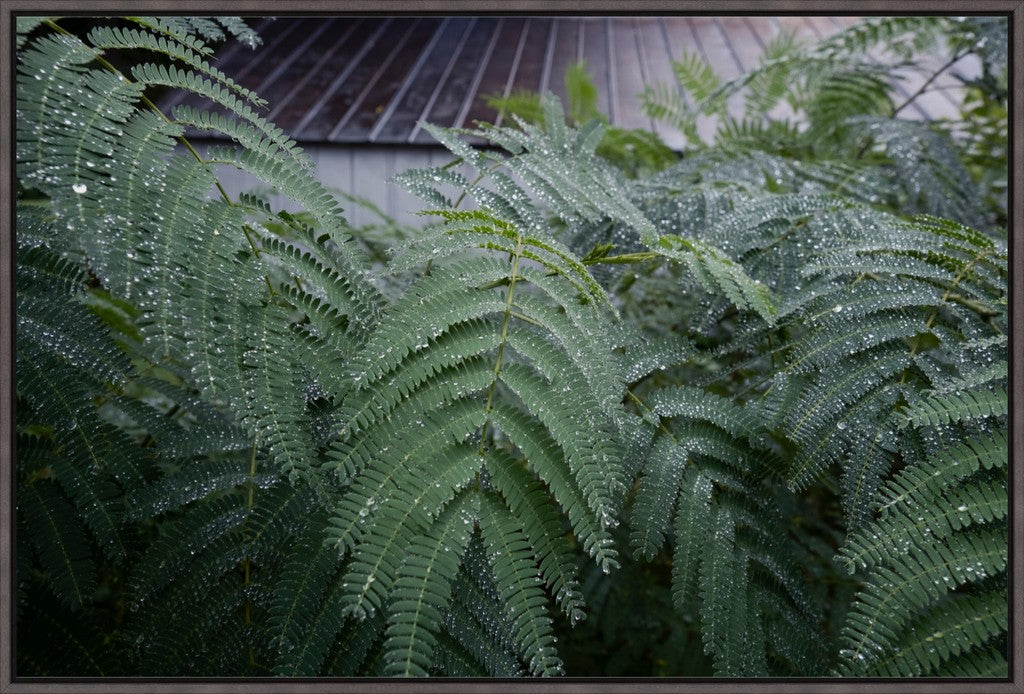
(373, 79)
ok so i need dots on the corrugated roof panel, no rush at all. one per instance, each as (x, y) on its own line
(344, 96)
(536, 43)
(373, 79)
(595, 56)
(373, 102)
(422, 83)
(744, 44)
(295, 103)
(449, 104)
(564, 52)
(499, 71)
(313, 74)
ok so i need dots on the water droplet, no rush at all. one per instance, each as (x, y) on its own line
(79, 188)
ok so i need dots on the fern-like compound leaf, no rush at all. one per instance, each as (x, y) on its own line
(692, 526)
(518, 582)
(956, 407)
(909, 583)
(965, 625)
(60, 543)
(423, 589)
(657, 494)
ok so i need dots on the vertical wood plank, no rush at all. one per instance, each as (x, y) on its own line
(595, 51)
(624, 55)
(370, 170)
(564, 54)
(403, 206)
(657, 61)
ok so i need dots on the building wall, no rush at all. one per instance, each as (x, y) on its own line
(360, 170)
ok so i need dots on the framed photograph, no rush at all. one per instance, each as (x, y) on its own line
(525, 346)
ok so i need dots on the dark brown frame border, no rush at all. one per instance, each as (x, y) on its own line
(1013, 9)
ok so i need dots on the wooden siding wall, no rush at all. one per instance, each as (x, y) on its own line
(361, 170)
(353, 90)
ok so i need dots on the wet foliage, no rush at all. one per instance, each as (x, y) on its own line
(614, 410)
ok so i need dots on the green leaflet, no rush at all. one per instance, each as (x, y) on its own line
(658, 490)
(296, 603)
(527, 500)
(722, 576)
(927, 479)
(956, 628)
(887, 603)
(476, 619)
(60, 543)
(423, 588)
(719, 274)
(353, 645)
(695, 404)
(517, 582)
(53, 623)
(582, 187)
(106, 38)
(692, 524)
(956, 407)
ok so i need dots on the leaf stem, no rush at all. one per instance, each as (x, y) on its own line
(661, 425)
(249, 502)
(504, 337)
(623, 258)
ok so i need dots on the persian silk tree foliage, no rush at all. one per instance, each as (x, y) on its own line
(744, 416)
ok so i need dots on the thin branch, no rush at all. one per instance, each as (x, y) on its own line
(924, 87)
